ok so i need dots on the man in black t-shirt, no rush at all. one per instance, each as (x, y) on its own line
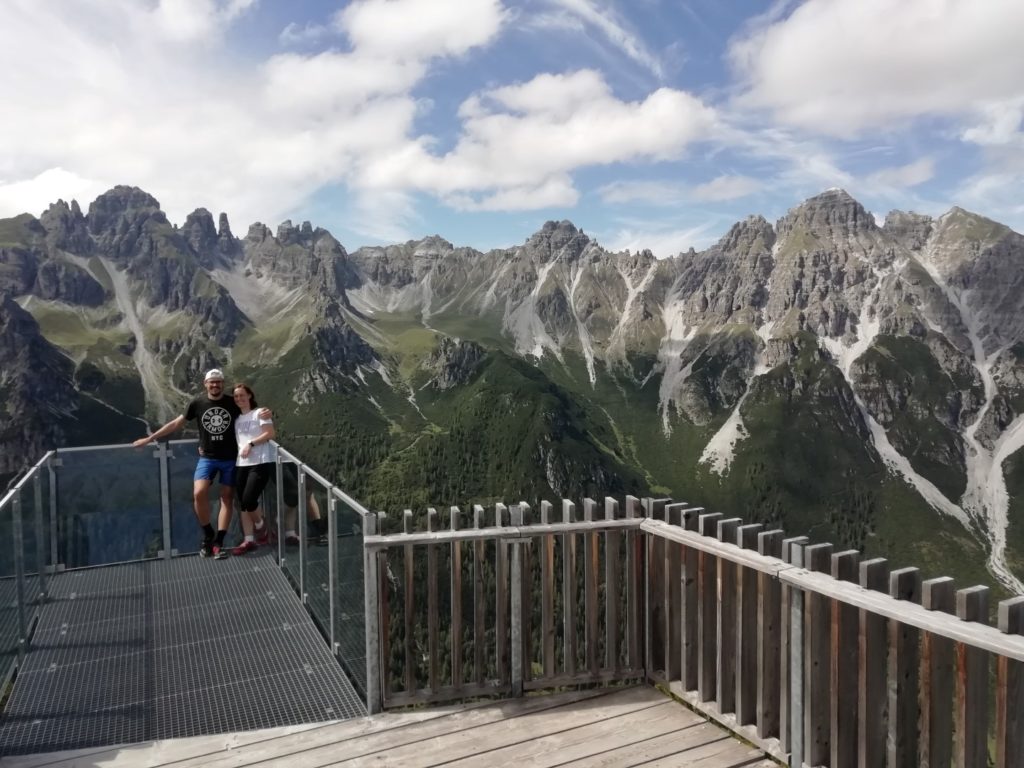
(215, 415)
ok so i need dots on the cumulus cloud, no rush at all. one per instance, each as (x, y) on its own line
(189, 20)
(663, 241)
(648, 192)
(842, 67)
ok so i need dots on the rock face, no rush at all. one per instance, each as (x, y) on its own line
(454, 363)
(35, 379)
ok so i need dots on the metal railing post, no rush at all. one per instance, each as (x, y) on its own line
(279, 500)
(165, 497)
(300, 529)
(17, 538)
(37, 482)
(371, 582)
(332, 566)
(54, 553)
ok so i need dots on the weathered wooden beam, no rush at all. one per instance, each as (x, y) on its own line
(433, 644)
(707, 612)
(547, 594)
(612, 585)
(1010, 690)
(746, 631)
(516, 610)
(634, 586)
(937, 679)
(672, 595)
(479, 602)
(410, 607)
(689, 664)
(656, 626)
(590, 569)
(843, 672)
(725, 634)
(569, 591)
(970, 712)
(817, 701)
(501, 598)
(904, 658)
(456, 600)
(374, 605)
(872, 650)
(796, 701)
(769, 644)
(786, 603)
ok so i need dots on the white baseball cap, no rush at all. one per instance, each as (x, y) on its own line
(214, 374)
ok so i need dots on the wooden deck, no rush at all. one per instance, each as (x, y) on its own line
(636, 726)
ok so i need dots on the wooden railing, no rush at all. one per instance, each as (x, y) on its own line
(816, 656)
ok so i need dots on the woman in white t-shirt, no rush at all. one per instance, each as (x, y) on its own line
(253, 467)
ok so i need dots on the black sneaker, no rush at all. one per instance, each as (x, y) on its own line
(206, 548)
(219, 553)
(321, 540)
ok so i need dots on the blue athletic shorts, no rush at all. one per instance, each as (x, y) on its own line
(207, 469)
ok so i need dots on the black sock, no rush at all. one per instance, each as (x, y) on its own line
(220, 537)
(208, 532)
(319, 526)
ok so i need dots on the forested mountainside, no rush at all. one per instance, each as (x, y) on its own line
(856, 382)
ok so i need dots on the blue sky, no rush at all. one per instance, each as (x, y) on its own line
(648, 123)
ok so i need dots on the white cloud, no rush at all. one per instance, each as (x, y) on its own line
(555, 191)
(609, 23)
(910, 175)
(190, 20)
(35, 195)
(999, 124)
(420, 29)
(648, 192)
(663, 241)
(845, 66)
(520, 137)
(726, 187)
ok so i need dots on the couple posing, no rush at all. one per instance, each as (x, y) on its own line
(234, 442)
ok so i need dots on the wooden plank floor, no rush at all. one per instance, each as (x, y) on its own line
(622, 727)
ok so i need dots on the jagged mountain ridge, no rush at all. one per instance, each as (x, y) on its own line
(909, 334)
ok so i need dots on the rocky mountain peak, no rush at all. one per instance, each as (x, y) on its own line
(558, 238)
(833, 215)
(199, 231)
(958, 223)
(752, 234)
(223, 228)
(258, 232)
(119, 207)
(433, 247)
(66, 228)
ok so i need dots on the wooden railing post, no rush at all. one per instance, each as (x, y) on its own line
(904, 657)
(796, 701)
(634, 587)
(516, 613)
(786, 694)
(456, 602)
(673, 596)
(843, 673)
(479, 602)
(524, 547)
(611, 589)
(872, 648)
(937, 679)
(569, 591)
(501, 607)
(817, 703)
(725, 632)
(656, 623)
(547, 594)
(409, 606)
(707, 612)
(690, 645)
(746, 631)
(769, 634)
(590, 563)
(1010, 690)
(433, 643)
(970, 715)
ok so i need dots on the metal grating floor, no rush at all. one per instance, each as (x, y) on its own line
(168, 649)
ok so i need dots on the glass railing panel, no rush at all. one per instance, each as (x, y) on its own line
(349, 611)
(186, 534)
(108, 505)
(314, 549)
(286, 522)
(9, 625)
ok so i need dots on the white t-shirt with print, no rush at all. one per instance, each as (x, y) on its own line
(248, 427)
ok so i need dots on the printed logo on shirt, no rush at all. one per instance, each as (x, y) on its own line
(216, 421)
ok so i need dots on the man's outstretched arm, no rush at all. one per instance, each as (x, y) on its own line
(171, 426)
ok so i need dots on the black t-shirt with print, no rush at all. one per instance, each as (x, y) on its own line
(216, 419)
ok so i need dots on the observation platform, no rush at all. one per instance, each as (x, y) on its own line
(641, 632)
